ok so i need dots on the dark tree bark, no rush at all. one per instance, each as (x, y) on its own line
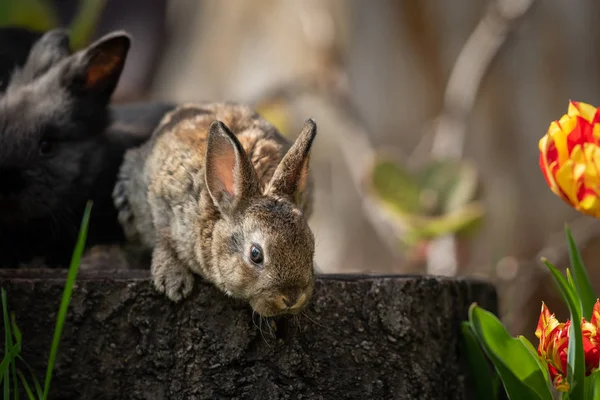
(362, 338)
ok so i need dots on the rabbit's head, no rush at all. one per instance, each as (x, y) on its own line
(52, 118)
(262, 248)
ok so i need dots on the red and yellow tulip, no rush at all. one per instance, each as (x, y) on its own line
(570, 157)
(554, 341)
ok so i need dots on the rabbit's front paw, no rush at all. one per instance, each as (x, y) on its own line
(170, 276)
(176, 285)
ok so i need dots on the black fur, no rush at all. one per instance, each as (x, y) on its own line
(55, 152)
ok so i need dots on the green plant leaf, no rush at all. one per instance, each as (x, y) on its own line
(8, 358)
(535, 355)
(396, 187)
(519, 370)
(457, 221)
(570, 279)
(452, 184)
(26, 386)
(575, 359)
(85, 22)
(18, 337)
(66, 298)
(592, 386)
(37, 15)
(36, 382)
(585, 291)
(478, 363)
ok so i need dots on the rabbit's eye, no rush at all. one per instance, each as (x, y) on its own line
(256, 254)
(46, 147)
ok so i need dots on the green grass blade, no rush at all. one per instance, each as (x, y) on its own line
(36, 382)
(15, 329)
(575, 358)
(26, 386)
(586, 293)
(66, 298)
(18, 337)
(7, 360)
(7, 347)
(478, 364)
(37, 15)
(85, 22)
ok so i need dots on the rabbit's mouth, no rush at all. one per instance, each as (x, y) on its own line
(15, 209)
(280, 304)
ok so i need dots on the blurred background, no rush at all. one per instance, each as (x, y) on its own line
(429, 116)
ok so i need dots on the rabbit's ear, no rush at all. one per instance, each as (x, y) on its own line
(291, 175)
(46, 52)
(230, 177)
(97, 69)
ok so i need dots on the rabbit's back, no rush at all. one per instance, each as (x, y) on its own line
(167, 173)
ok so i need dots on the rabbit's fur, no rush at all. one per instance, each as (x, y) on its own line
(54, 154)
(214, 181)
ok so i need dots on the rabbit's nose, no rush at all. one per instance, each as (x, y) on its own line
(286, 301)
(293, 300)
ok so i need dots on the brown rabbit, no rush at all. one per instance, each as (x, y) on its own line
(219, 192)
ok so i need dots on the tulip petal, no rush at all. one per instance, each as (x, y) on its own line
(558, 132)
(596, 315)
(581, 133)
(543, 320)
(578, 108)
(567, 182)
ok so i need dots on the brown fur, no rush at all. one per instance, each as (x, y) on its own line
(214, 180)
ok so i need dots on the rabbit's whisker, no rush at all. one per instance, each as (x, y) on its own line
(261, 331)
(311, 319)
(268, 322)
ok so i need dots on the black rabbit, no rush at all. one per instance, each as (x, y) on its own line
(56, 150)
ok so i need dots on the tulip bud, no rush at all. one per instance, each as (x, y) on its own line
(554, 343)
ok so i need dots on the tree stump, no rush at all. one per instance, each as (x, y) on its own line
(362, 337)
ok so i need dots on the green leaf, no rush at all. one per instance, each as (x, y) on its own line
(15, 329)
(36, 382)
(7, 348)
(575, 359)
(478, 363)
(592, 386)
(519, 370)
(8, 360)
(26, 385)
(396, 187)
(570, 279)
(85, 22)
(457, 221)
(535, 355)
(585, 291)
(17, 334)
(66, 298)
(452, 184)
(37, 15)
